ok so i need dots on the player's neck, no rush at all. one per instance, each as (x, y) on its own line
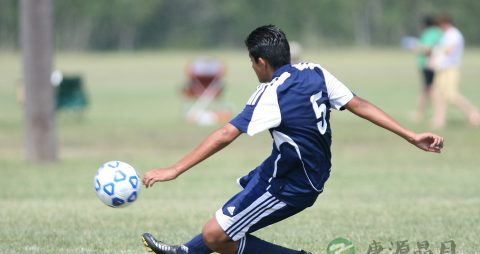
(270, 72)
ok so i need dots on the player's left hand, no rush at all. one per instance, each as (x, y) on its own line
(428, 142)
(158, 175)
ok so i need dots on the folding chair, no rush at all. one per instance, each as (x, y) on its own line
(70, 93)
(205, 86)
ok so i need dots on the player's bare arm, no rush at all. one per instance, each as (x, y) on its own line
(426, 141)
(212, 144)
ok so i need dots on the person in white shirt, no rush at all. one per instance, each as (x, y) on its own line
(446, 59)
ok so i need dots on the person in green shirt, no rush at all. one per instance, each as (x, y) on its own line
(431, 36)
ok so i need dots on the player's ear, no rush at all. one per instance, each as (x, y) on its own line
(262, 62)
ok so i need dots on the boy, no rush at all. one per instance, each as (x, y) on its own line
(446, 58)
(429, 38)
(293, 102)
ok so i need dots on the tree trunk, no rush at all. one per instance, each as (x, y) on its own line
(36, 40)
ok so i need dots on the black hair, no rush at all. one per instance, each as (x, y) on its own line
(269, 43)
(429, 21)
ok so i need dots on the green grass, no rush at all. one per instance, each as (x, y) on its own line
(381, 188)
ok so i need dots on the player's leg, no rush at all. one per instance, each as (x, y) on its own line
(425, 96)
(218, 240)
(439, 99)
(251, 209)
(460, 101)
(246, 212)
(197, 244)
(430, 75)
(468, 108)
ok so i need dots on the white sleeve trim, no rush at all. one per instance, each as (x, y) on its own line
(338, 93)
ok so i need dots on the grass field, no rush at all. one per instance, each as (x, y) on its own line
(381, 188)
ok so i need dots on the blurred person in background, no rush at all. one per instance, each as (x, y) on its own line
(446, 59)
(429, 38)
(296, 51)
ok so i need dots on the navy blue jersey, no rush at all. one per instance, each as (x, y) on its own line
(295, 107)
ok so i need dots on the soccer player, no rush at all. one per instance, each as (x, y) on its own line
(293, 103)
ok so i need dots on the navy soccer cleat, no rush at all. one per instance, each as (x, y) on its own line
(159, 247)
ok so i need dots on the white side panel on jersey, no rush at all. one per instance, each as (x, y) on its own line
(266, 114)
(260, 89)
(281, 138)
(338, 93)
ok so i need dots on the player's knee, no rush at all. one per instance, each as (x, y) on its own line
(213, 234)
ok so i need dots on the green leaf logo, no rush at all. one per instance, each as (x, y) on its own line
(340, 246)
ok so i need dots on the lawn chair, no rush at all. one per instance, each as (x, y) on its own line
(204, 89)
(70, 93)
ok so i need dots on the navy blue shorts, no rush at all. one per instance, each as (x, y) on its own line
(252, 208)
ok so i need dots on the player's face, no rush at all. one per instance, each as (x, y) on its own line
(444, 26)
(261, 69)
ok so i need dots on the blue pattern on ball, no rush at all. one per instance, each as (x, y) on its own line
(117, 163)
(119, 176)
(109, 189)
(132, 197)
(117, 201)
(133, 181)
(97, 185)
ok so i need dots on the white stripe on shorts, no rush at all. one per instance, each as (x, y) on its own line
(237, 226)
(241, 245)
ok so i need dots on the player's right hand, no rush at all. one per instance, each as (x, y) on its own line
(428, 142)
(158, 175)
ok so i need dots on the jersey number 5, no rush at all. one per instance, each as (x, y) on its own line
(320, 112)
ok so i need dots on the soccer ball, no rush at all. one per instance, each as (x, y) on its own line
(117, 184)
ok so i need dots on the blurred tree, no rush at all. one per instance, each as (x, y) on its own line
(8, 23)
(36, 30)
